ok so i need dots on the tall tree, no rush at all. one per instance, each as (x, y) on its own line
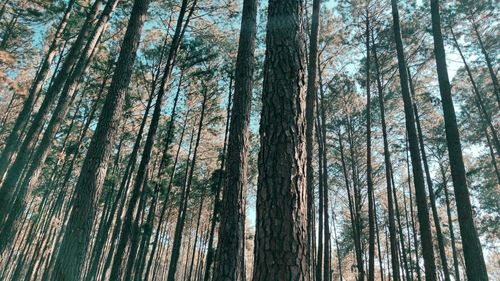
(473, 253)
(310, 111)
(418, 176)
(387, 164)
(281, 232)
(69, 261)
(230, 254)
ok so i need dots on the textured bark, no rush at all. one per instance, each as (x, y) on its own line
(387, 163)
(473, 253)
(418, 176)
(68, 265)
(230, 253)
(281, 231)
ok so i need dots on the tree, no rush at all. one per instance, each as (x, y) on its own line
(418, 176)
(473, 254)
(281, 232)
(229, 264)
(69, 261)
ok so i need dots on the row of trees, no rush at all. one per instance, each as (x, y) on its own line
(146, 144)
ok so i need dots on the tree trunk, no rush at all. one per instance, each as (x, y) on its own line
(387, 162)
(230, 254)
(311, 95)
(435, 215)
(176, 247)
(494, 79)
(473, 253)
(482, 109)
(217, 202)
(450, 223)
(281, 249)
(418, 177)
(68, 265)
(369, 180)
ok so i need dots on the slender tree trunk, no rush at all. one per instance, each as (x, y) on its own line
(418, 177)
(310, 111)
(473, 253)
(148, 147)
(450, 223)
(369, 180)
(216, 209)
(281, 249)
(76, 238)
(41, 75)
(387, 162)
(482, 109)
(176, 247)
(494, 79)
(492, 154)
(323, 179)
(33, 167)
(435, 215)
(231, 248)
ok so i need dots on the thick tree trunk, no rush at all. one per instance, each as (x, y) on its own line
(230, 254)
(68, 265)
(473, 253)
(281, 249)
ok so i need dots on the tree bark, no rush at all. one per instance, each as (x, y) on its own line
(281, 249)
(231, 248)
